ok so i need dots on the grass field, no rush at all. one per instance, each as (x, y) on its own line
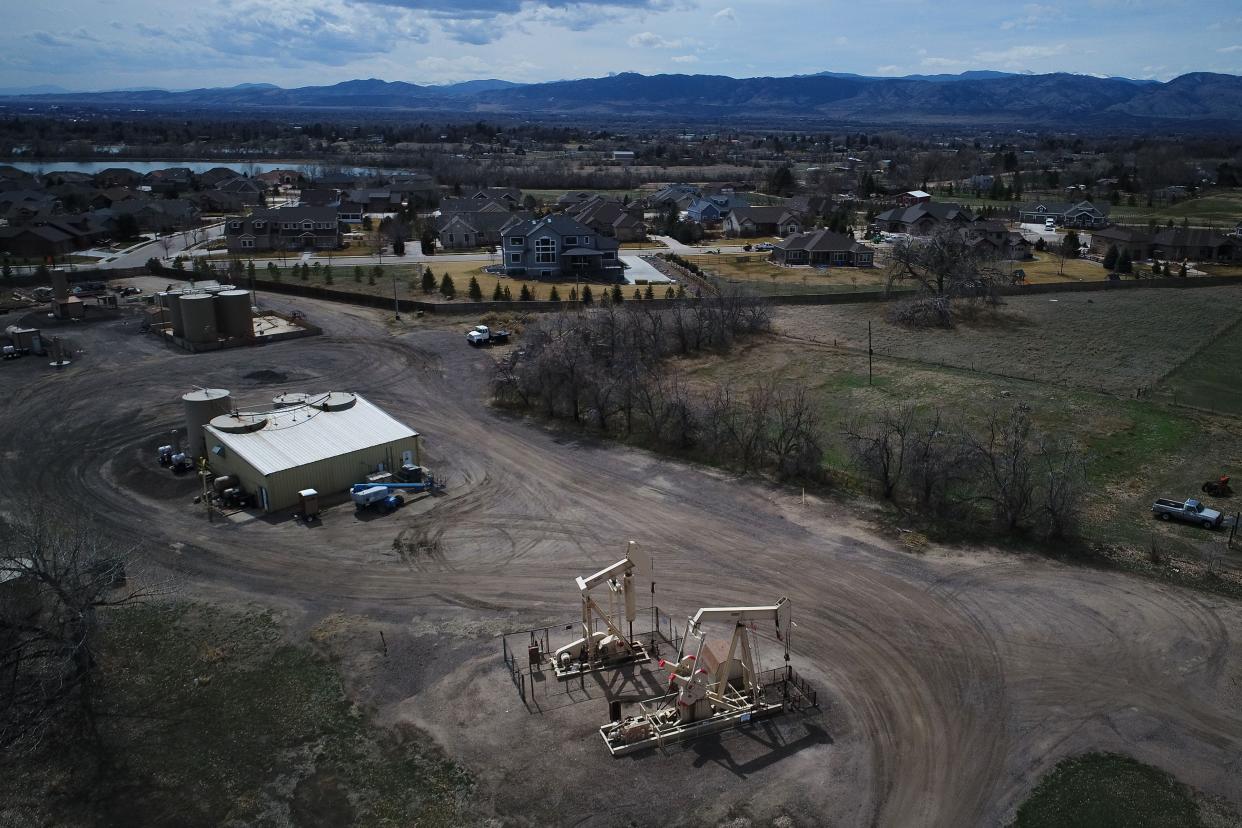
(210, 718)
(1220, 209)
(1076, 362)
(1107, 790)
(1211, 379)
(761, 275)
(409, 281)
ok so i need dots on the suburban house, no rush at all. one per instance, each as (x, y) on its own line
(1194, 244)
(680, 195)
(913, 197)
(283, 178)
(284, 228)
(762, 221)
(161, 215)
(1173, 244)
(349, 212)
(118, 177)
(558, 247)
(573, 199)
(249, 190)
(171, 180)
(510, 195)
(460, 231)
(377, 200)
(36, 242)
(822, 248)
(214, 201)
(715, 207)
(609, 218)
(809, 206)
(994, 239)
(217, 176)
(1133, 240)
(923, 219)
(1065, 214)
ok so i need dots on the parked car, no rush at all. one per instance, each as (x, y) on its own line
(763, 246)
(483, 335)
(1187, 511)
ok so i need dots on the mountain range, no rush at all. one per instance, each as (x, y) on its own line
(980, 97)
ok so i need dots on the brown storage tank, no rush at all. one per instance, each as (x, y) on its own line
(198, 316)
(172, 301)
(233, 314)
(201, 407)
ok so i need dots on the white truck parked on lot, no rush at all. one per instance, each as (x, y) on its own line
(1187, 511)
(483, 335)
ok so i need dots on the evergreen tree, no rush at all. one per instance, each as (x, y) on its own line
(497, 294)
(474, 291)
(429, 281)
(327, 275)
(573, 294)
(1156, 269)
(358, 274)
(616, 294)
(508, 295)
(447, 289)
(638, 295)
(1069, 245)
(524, 296)
(250, 268)
(1124, 263)
(398, 246)
(273, 272)
(305, 271)
(554, 295)
(587, 298)
(649, 293)
(681, 291)
(1182, 271)
(374, 274)
(669, 293)
(1110, 258)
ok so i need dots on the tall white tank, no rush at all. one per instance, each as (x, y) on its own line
(198, 316)
(201, 406)
(233, 317)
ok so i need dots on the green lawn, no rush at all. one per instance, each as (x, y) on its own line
(1211, 379)
(1107, 790)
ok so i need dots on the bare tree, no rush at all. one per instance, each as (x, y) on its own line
(945, 267)
(1062, 478)
(1005, 456)
(55, 577)
(879, 444)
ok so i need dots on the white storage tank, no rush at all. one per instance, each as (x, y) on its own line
(198, 316)
(233, 316)
(290, 399)
(201, 407)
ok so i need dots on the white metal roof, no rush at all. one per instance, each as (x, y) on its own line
(305, 434)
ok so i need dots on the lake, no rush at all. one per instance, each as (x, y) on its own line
(144, 167)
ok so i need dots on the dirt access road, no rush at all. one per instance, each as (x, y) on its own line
(949, 681)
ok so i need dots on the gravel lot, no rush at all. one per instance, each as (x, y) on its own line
(949, 681)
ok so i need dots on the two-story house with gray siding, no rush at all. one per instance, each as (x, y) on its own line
(284, 228)
(558, 247)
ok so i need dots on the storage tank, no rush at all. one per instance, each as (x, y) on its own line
(289, 399)
(241, 423)
(198, 316)
(233, 315)
(60, 285)
(201, 407)
(335, 401)
(172, 301)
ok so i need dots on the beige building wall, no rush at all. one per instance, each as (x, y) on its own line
(329, 476)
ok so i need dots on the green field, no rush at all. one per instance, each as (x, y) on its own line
(1211, 379)
(1107, 790)
(1219, 208)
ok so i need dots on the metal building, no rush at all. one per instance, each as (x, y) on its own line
(327, 443)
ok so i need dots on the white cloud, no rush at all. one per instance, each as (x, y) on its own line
(1017, 57)
(1034, 15)
(684, 59)
(725, 14)
(942, 63)
(651, 40)
(1228, 50)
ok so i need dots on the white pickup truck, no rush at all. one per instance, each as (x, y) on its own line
(1187, 511)
(483, 335)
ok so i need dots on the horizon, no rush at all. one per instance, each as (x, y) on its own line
(221, 43)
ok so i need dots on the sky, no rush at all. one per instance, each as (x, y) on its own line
(174, 44)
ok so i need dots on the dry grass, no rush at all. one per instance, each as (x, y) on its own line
(758, 271)
(1116, 342)
(409, 280)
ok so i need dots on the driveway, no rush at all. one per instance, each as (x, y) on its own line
(640, 270)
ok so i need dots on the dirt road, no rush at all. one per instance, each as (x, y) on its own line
(949, 681)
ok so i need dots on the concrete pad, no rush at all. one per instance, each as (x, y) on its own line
(638, 269)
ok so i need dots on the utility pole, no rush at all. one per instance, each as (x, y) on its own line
(870, 352)
(396, 306)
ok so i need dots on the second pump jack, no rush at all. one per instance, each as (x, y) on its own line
(612, 646)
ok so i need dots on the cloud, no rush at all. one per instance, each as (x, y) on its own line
(651, 40)
(1228, 50)
(331, 34)
(942, 63)
(725, 14)
(684, 59)
(1018, 57)
(1035, 15)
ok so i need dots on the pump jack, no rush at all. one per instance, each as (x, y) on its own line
(611, 647)
(712, 687)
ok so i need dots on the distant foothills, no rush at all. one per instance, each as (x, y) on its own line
(1199, 99)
